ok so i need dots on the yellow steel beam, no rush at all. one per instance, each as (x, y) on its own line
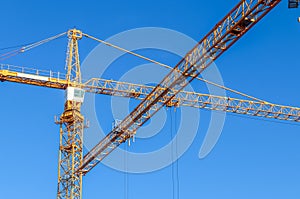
(231, 28)
(32, 76)
(138, 91)
(71, 122)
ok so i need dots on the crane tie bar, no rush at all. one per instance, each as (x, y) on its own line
(29, 47)
(169, 67)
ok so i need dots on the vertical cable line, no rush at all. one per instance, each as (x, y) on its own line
(176, 153)
(172, 153)
(126, 186)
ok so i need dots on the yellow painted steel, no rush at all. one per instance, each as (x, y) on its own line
(32, 76)
(183, 98)
(71, 128)
(72, 61)
(72, 165)
(229, 30)
(8, 73)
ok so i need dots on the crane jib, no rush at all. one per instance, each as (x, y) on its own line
(231, 28)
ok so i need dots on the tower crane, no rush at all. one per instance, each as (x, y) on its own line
(169, 92)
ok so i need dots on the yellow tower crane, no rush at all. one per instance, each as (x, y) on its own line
(71, 126)
(72, 165)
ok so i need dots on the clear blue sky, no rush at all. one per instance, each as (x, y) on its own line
(253, 158)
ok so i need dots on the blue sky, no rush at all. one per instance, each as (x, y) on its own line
(253, 158)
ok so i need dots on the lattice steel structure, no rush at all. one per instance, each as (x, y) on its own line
(72, 165)
(71, 128)
(140, 92)
(239, 20)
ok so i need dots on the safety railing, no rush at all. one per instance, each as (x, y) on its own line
(33, 71)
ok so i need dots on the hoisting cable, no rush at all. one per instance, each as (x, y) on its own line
(126, 176)
(172, 155)
(169, 67)
(28, 47)
(177, 158)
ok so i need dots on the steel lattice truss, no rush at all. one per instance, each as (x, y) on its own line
(244, 16)
(169, 92)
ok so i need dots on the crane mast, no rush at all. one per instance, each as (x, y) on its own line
(71, 126)
(169, 92)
